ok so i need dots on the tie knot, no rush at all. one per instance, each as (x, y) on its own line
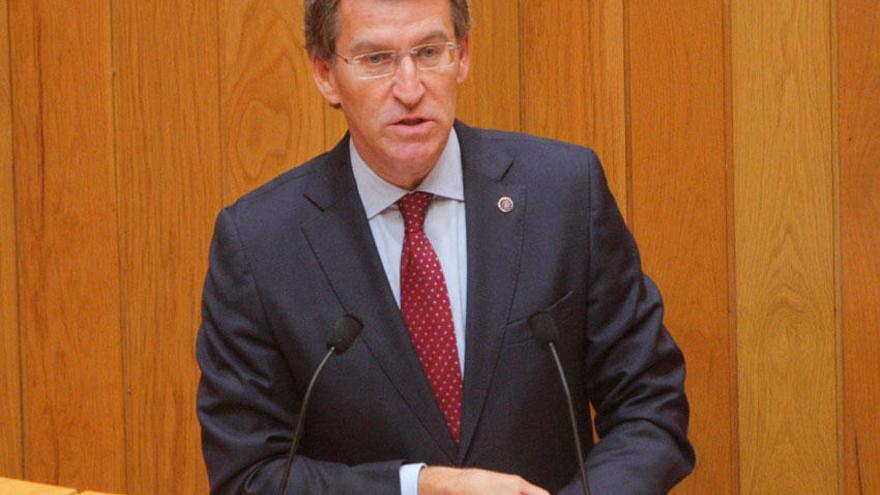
(414, 207)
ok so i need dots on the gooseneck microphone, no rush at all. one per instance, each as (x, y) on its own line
(340, 339)
(546, 334)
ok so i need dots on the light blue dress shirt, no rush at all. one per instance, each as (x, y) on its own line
(445, 228)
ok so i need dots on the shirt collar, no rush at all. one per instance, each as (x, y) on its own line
(377, 194)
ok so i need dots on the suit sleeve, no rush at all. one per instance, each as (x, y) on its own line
(634, 370)
(244, 399)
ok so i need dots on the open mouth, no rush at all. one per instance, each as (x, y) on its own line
(412, 121)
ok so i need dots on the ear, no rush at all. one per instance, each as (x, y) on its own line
(464, 63)
(325, 80)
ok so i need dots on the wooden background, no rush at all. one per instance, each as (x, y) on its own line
(741, 137)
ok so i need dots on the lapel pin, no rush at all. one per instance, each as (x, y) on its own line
(505, 204)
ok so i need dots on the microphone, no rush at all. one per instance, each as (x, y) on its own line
(546, 334)
(340, 339)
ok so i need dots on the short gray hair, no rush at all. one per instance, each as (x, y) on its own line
(322, 25)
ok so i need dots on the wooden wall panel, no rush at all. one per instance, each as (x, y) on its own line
(555, 69)
(607, 94)
(679, 206)
(271, 114)
(491, 95)
(10, 372)
(572, 77)
(714, 120)
(68, 253)
(859, 92)
(170, 184)
(784, 221)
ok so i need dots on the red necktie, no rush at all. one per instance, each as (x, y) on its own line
(424, 302)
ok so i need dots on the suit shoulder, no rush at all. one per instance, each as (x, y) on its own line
(281, 199)
(535, 156)
(540, 151)
(288, 182)
(522, 141)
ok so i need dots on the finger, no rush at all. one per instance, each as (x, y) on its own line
(530, 489)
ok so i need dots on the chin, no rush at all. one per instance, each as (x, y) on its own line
(417, 154)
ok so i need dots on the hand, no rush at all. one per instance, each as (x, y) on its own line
(435, 480)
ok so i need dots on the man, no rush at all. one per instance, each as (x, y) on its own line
(443, 240)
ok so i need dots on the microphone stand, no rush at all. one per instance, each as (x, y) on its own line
(571, 415)
(546, 334)
(299, 423)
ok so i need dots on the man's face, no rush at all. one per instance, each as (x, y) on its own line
(400, 123)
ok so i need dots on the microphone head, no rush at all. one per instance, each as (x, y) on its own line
(344, 333)
(543, 328)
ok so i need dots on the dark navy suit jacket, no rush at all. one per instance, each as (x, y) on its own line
(291, 257)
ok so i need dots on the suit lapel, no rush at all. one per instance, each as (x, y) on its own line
(494, 244)
(340, 239)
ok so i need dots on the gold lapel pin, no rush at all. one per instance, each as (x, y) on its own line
(505, 204)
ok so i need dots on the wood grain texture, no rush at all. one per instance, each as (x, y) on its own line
(783, 158)
(679, 208)
(170, 192)
(572, 77)
(272, 116)
(607, 99)
(68, 251)
(555, 69)
(10, 366)
(214, 98)
(491, 95)
(859, 124)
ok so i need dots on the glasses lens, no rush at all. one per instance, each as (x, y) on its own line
(425, 57)
(375, 64)
(434, 56)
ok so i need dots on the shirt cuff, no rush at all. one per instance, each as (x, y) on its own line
(409, 478)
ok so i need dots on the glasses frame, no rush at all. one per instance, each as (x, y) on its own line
(398, 55)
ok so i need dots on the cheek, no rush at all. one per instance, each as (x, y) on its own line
(450, 97)
(366, 105)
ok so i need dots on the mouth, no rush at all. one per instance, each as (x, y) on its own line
(411, 121)
(413, 127)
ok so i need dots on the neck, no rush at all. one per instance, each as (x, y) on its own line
(404, 181)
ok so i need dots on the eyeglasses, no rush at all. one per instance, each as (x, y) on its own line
(432, 56)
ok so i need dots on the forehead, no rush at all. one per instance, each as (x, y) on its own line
(389, 23)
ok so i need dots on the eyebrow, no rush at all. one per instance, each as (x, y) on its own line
(369, 46)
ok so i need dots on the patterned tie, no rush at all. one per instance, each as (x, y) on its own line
(424, 302)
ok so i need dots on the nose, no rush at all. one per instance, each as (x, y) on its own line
(408, 87)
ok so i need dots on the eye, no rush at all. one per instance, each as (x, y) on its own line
(429, 52)
(375, 59)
